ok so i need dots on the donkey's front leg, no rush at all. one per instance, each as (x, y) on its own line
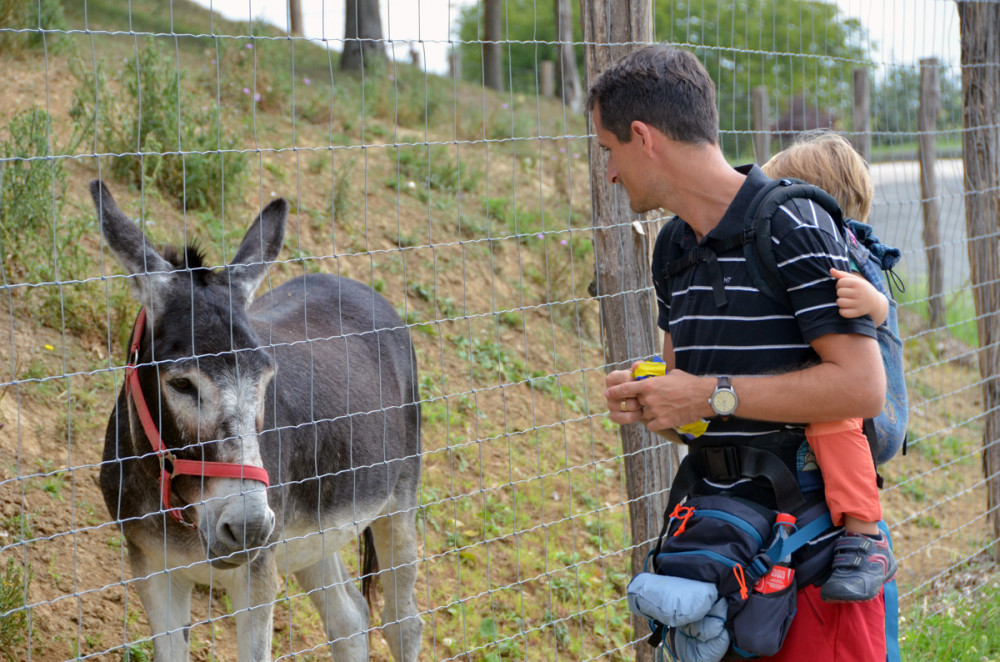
(166, 599)
(253, 588)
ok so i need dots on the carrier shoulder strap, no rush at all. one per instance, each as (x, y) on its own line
(754, 237)
(759, 249)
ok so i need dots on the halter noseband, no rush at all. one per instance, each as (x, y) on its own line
(170, 465)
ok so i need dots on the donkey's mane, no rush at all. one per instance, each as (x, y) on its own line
(192, 259)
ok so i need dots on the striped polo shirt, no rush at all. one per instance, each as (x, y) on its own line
(751, 334)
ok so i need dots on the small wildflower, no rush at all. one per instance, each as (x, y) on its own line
(49, 347)
(563, 242)
(562, 150)
(256, 97)
(539, 236)
(249, 47)
(391, 77)
(246, 90)
(504, 106)
(576, 155)
(306, 81)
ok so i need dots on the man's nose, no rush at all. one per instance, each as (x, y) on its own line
(612, 171)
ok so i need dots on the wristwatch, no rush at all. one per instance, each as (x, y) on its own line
(724, 400)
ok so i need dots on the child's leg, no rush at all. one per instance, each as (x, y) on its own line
(849, 478)
(862, 559)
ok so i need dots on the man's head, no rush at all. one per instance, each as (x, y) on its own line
(827, 160)
(665, 87)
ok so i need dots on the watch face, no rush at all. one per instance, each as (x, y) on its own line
(724, 402)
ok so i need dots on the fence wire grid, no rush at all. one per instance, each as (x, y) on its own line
(455, 186)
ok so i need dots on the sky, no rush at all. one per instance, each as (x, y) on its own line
(905, 30)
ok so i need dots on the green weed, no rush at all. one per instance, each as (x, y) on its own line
(421, 169)
(14, 624)
(959, 628)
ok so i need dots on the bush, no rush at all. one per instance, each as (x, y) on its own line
(158, 138)
(33, 16)
(31, 183)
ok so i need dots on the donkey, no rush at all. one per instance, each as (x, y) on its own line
(258, 436)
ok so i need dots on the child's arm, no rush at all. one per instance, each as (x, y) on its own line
(857, 297)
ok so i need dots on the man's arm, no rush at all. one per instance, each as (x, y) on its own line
(843, 385)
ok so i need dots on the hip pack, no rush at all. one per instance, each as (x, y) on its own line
(720, 537)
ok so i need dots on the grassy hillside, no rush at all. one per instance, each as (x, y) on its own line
(467, 209)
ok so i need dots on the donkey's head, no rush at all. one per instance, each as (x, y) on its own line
(203, 375)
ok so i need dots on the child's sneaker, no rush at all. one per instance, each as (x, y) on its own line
(861, 564)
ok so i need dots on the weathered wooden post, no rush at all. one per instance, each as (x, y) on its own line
(548, 75)
(980, 26)
(862, 115)
(761, 124)
(930, 104)
(611, 28)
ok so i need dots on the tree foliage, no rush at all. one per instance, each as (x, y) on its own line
(793, 47)
(530, 36)
(896, 103)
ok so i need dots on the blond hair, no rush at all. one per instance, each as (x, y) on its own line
(827, 160)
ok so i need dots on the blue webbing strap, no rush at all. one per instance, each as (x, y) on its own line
(891, 594)
(782, 548)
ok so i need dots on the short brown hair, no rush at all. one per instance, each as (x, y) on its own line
(663, 86)
(827, 160)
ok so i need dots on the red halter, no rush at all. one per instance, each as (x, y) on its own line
(170, 466)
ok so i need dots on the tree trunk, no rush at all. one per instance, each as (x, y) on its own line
(492, 45)
(612, 28)
(362, 35)
(569, 75)
(980, 26)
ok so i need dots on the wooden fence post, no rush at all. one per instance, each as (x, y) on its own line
(930, 104)
(760, 118)
(612, 28)
(548, 75)
(980, 27)
(862, 115)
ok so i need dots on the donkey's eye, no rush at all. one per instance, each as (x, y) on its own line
(183, 385)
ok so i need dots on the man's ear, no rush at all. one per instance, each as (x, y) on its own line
(644, 133)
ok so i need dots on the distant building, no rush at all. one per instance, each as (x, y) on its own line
(801, 115)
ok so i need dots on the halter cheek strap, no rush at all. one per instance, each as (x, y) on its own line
(170, 465)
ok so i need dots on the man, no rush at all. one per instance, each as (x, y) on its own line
(734, 356)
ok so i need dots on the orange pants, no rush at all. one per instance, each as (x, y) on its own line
(849, 478)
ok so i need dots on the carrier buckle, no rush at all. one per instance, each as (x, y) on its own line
(722, 464)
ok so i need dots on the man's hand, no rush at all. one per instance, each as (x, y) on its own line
(660, 403)
(623, 410)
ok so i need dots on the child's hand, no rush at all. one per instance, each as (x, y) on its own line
(857, 297)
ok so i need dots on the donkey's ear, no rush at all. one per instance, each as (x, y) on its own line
(134, 251)
(261, 245)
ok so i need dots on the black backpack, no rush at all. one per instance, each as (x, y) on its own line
(874, 261)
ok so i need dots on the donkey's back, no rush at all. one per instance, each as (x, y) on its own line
(345, 428)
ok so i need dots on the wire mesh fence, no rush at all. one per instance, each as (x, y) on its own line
(465, 212)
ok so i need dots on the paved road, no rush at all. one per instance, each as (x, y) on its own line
(898, 218)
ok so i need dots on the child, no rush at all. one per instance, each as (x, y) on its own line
(863, 560)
